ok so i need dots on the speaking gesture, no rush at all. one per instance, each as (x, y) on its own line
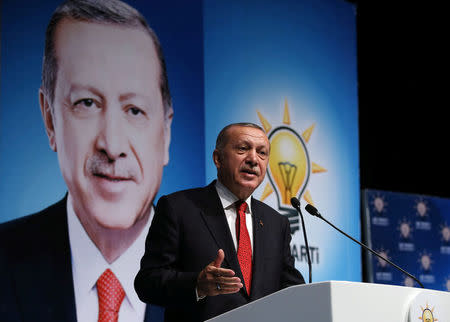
(214, 280)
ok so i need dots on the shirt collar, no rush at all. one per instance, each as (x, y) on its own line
(88, 263)
(228, 199)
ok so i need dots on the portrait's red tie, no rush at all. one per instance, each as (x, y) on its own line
(244, 251)
(110, 297)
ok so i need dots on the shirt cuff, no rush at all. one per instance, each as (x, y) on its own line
(198, 297)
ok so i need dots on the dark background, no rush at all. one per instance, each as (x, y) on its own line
(402, 109)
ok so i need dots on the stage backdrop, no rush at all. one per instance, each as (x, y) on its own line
(287, 65)
(290, 66)
(413, 232)
(29, 171)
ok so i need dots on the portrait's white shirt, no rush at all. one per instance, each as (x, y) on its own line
(88, 264)
(228, 199)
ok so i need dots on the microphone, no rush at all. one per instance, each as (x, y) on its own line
(296, 204)
(313, 211)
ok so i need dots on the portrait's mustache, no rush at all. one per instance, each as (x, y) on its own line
(100, 165)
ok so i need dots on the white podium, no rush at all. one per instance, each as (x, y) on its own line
(336, 301)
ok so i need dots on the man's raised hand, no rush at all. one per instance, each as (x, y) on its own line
(214, 280)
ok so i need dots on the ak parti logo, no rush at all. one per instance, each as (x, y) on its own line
(427, 314)
(290, 165)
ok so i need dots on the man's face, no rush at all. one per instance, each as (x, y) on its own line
(241, 165)
(108, 125)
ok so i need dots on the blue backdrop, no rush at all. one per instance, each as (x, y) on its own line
(411, 230)
(290, 63)
(263, 55)
(31, 179)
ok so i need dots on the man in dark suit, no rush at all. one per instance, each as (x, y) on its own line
(107, 111)
(36, 269)
(212, 249)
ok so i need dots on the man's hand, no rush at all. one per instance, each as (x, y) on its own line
(214, 280)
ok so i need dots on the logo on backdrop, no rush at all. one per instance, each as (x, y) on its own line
(422, 213)
(379, 207)
(408, 281)
(422, 209)
(426, 262)
(383, 268)
(290, 166)
(427, 314)
(405, 230)
(445, 233)
(405, 243)
(289, 172)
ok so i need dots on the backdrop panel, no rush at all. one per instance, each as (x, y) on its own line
(412, 231)
(31, 179)
(60, 251)
(291, 67)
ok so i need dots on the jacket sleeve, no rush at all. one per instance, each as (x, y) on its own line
(160, 280)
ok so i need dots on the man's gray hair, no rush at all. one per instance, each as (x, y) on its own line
(222, 138)
(98, 11)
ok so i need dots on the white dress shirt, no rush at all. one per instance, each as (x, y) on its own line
(228, 200)
(88, 264)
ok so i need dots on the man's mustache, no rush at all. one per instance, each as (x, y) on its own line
(100, 165)
(253, 170)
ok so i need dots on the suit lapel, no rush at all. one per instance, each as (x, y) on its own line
(64, 305)
(215, 219)
(258, 242)
(51, 284)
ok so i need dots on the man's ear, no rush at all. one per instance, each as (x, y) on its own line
(47, 116)
(217, 158)
(167, 134)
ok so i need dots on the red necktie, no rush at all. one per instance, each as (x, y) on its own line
(110, 297)
(244, 252)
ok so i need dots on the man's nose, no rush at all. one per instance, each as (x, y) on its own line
(251, 157)
(111, 139)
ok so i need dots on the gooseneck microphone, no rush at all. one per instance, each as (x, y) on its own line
(296, 204)
(313, 211)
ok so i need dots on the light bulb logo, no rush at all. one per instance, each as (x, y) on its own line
(290, 167)
(422, 209)
(379, 204)
(445, 232)
(425, 262)
(427, 314)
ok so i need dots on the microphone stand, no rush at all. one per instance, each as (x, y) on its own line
(296, 204)
(313, 211)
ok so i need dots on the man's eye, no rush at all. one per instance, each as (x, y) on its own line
(88, 102)
(134, 111)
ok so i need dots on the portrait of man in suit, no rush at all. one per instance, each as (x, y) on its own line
(212, 249)
(107, 111)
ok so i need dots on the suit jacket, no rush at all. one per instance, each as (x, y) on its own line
(36, 281)
(188, 229)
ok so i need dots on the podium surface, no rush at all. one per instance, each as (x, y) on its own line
(345, 302)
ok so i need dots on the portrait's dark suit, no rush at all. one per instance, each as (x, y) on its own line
(188, 229)
(36, 270)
